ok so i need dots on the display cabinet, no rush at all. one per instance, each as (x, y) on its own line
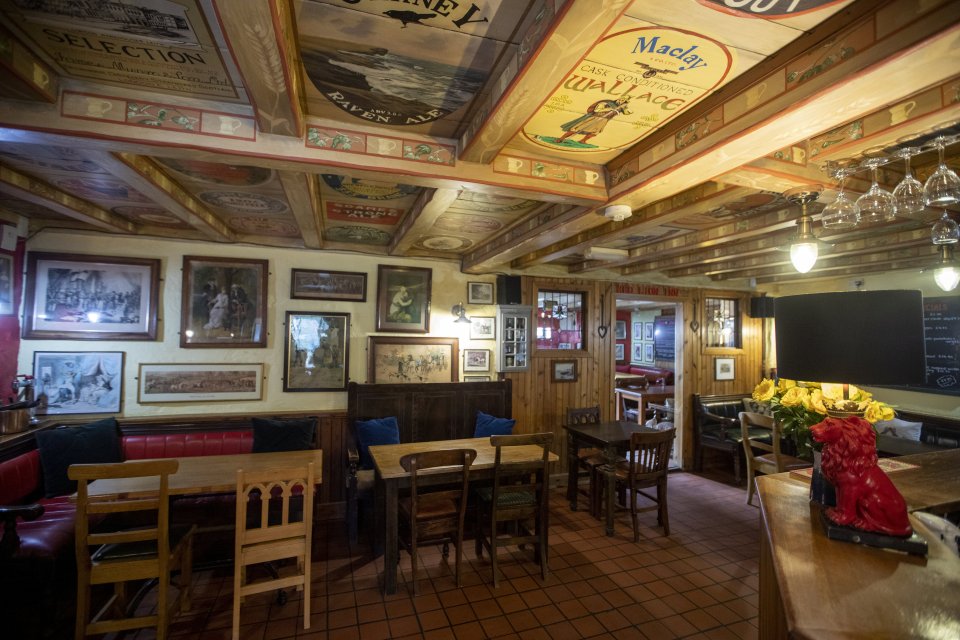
(513, 338)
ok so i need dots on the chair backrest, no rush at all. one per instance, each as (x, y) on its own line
(274, 504)
(518, 480)
(749, 419)
(650, 452)
(95, 507)
(424, 462)
(583, 415)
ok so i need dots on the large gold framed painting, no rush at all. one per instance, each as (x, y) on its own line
(163, 44)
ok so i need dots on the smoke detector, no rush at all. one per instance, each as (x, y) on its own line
(618, 212)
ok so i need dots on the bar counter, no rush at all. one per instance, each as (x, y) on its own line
(813, 587)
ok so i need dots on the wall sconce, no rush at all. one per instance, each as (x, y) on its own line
(947, 273)
(460, 312)
(804, 249)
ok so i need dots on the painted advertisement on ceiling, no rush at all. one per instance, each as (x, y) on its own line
(629, 83)
(771, 9)
(159, 44)
(400, 64)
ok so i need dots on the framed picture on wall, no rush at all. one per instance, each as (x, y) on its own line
(618, 351)
(404, 359)
(476, 359)
(206, 382)
(564, 371)
(73, 382)
(648, 352)
(723, 368)
(82, 297)
(224, 303)
(310, 284)
(6, 284)
(479, 293)
(638, 331)
(637, 355)
(316, 354)
(482, 328)
(620, 330)
(648, 331)
(403, 299)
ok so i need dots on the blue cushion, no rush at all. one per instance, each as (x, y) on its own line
(283, 435)
(373, 432)
(94, 443)
(488, 425)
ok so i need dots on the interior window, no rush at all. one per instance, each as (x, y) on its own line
(560, 320)
(722, 322)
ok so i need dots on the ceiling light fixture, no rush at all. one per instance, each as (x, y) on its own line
(461, 313)
(804, 249)
(947, 273)
(603, 253)
(618, 212)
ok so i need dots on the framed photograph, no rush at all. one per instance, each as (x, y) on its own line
(723, 368)
(620, 330)
(403, 299)
(564, 345)
(6, 284)
(224, 302)
(648, 331)
(618, 348)
(482, 328)
(81, 297)
(310, 284)
(316, 353)
(564, 371)
(479, 293)
(199, 382)
(648, 352)
(637, 355)
(476, 359)
(400, 359)
(476, 378)
(73, 382)
(638, 331)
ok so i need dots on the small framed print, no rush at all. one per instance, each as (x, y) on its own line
(317, 351)
(403, 299)
(223, 303)
(199, 382)
(638, 331)
(648, 352)
(6, 284)
(310, 284)
(73, 382)
(620, 330)
(619, 347)
(564, 371)
(480, 293)
(476, 378)
(476, 359)
(637, 355)
(482, 328)
(723, 368)
(648, 331)
(83, 297)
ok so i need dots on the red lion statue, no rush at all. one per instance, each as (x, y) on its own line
(866, 499)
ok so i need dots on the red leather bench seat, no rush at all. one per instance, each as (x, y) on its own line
(179, 445)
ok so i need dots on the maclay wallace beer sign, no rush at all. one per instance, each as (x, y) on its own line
(628, 84)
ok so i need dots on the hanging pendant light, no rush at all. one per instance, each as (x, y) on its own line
(804, 249)
(947, 273)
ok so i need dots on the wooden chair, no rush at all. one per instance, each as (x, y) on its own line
(646, 467)
(770, 462)
(519, 493)
(434, 514)
(589, 460)
(274, 522)
(111, 553)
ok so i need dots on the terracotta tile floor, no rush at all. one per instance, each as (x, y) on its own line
(701, 582)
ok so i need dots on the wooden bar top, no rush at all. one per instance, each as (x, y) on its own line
(386, 457)
(833, 589)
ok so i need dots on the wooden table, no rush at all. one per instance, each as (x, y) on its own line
(653, 393)
(391, 477)
(813, 587)
(612, 438)
(208, 474)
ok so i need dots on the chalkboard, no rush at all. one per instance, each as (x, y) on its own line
(941, 332)
(663, 337)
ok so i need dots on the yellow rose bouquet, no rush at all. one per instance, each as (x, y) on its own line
(800, 405)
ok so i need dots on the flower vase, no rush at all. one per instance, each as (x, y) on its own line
(821, 490)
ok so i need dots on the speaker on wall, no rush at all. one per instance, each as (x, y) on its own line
(761, 307)
(508, 289)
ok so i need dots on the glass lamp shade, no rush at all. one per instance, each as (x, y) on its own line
(947, 277)
(803, 255)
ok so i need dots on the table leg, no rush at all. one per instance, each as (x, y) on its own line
(609, 471)
(618, 405)
(390, 552)
(573, 471)
(641, 410)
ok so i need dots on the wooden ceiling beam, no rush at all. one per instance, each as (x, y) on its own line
(301, 196)
(431, 204)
